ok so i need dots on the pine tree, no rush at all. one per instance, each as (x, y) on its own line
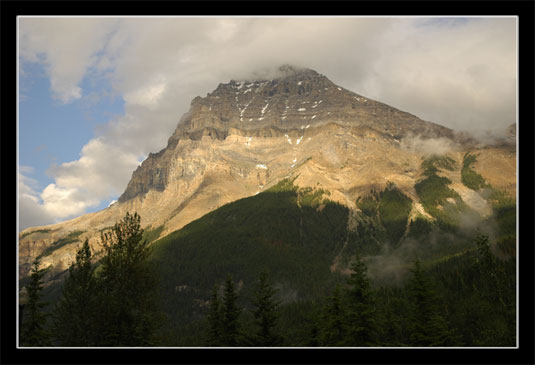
(333, 330)
(128, 291)
(428, 326)
(215, 320)
(73, 316)
(498, 290)
(33, 332)
(230, 326)
(265, 313)
(361, 313)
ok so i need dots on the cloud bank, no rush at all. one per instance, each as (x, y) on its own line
(461, 74)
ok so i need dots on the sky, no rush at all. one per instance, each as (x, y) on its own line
(98, 94)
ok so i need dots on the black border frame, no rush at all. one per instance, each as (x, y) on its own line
(525, 11)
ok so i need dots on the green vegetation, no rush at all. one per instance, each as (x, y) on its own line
(369, 204)
(433, 192)
(119, 306)
(150, 234)
(46, 230)
(214, 320)
(310, 197)
(442, 202)
(70, 238)
(265, 313)
(231, 334)
(209, 277)
(383, 223)
(420, 228)
(332, 321)
(469, 177)
(394, 210)
(479, 291)
(75, 311)
(428, 326)
(127, 288)
(33, 330)
(360, 307)
(299, 242)
(432, 163)
(504, 213)
(436, 197)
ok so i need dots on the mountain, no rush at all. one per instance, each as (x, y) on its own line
(247, 137)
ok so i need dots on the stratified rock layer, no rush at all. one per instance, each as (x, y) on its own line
(246, 136)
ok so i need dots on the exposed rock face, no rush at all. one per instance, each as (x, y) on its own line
(270, 108)
(246, 136)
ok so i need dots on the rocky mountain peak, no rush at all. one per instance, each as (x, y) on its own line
(285, 106)
(248, 135)
(292, 98)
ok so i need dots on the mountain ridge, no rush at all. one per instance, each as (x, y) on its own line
(245, 137)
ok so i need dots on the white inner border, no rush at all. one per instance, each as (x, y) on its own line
(272, 16)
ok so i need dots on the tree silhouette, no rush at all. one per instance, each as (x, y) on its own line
(127, 286)
(265, 313)
(361, 313)
(428, 326)
(74, 313)
(333, 329)
(33, 331)
(215, 320)
(231, 334)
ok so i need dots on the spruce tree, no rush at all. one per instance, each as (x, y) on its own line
(360, 308)
(74, 313)
(333, 329)
(33, 332)
(128, 307)
(265, 313)
(428, 326)
(230, 326)
(214, 320)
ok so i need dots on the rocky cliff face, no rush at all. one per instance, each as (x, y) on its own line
(300, 100)
(246, 136)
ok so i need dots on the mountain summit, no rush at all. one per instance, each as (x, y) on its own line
(247, 136)
(297, 100)
(297, 97)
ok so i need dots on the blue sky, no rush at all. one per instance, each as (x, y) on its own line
(97, 95)
(52, 132)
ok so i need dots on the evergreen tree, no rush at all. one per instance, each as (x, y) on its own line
(490, 271)
(333, 331)
(128, 291)
(33, 332)
(214, 320)
(390, 316)
(360, 309)
(265, 313)
(428, 326)
(230, 326)
(497, 289)
(74, 313)
(313, 340)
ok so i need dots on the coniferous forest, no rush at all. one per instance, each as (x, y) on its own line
(258, 273)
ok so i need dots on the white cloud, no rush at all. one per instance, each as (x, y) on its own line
(437, 146)
(147, 96)
(31, 212)
(458, 74)
(67, 47)
(101, 172)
